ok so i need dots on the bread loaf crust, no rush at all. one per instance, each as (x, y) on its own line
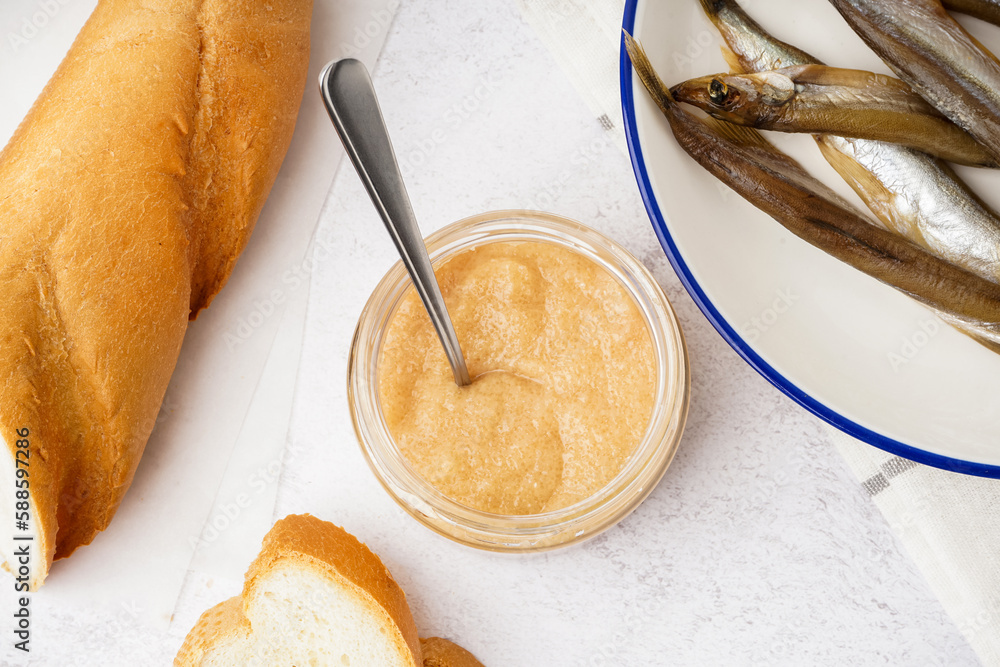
(440, 652)
(218, 628)
(125, 197)
(254, 56)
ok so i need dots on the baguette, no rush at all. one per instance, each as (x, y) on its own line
(126, 196)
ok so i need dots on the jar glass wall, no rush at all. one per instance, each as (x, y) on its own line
(532, 532)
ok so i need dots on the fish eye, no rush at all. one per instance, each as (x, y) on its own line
(719, 93)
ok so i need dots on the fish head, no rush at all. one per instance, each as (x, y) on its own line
(746, 99)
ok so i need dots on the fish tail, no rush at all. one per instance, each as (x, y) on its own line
(650, 79)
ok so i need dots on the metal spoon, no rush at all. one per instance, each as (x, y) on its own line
(350, 98)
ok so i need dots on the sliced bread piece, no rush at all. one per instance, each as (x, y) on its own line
(314, 596)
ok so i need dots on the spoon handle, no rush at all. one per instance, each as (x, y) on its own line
(350, 99)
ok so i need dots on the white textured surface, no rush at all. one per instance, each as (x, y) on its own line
(758, 547)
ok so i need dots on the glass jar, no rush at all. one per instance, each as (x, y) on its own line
(531, 532)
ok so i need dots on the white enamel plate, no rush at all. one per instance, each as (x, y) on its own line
(857, 353)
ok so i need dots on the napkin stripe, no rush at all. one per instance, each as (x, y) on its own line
(890, 468)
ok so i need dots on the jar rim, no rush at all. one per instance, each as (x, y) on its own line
(585, 518)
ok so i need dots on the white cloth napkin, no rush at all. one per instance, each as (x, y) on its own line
(950, 526)
(948, 523)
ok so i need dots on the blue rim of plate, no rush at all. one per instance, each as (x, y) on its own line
(659, 222)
